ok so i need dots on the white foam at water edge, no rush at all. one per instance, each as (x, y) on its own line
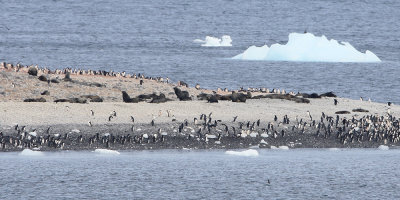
(250, 152)
(383, 147)
(106, 151)
(305, 47)
(210, 41)
(333, 149)
(28, 152)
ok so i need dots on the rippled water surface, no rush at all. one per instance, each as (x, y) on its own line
(156, 38)
(293, 174)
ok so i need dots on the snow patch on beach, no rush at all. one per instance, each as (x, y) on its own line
(106, 151)
(305, 47)
(210, 41)
(28, 152)
(250, 152)
(383, 147)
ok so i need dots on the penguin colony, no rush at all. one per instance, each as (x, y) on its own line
(206, 132)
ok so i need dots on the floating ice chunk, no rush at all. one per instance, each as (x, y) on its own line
(250, 152)
(28, 152)
(383, 147)
(198, 41)
(225, 41)
(280, 147)
(106, 151)
(284, 147)
(308, 48)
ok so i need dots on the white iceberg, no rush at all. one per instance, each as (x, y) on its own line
(250, 152)
(305, 47)
(28, 152)
(210, 41)
(106, 151)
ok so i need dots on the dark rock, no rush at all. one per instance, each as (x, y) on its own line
(213, 99)
(342, 112)
(41, 99)
(54, 80)
(328, 94)
(360, 110)
(182, 95)
(127, 99)
(32, 71)
(46, 92)
(42, 78)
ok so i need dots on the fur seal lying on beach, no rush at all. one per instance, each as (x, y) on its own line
(182, 95)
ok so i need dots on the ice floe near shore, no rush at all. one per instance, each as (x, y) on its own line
(210, 41)
(106, 151)
(28, 152)
(383, 147)
(250, 152)
(308, 48)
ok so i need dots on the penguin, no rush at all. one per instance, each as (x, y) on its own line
(389, 103)
(152, 122)
(275, 118)
(234, 118)
(132, 119)
(335, 102)
(92, 112)
(141, 82)
(90, 123)
(110, 117)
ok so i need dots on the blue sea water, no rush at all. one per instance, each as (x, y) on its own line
(181, 174)
(156, 38)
